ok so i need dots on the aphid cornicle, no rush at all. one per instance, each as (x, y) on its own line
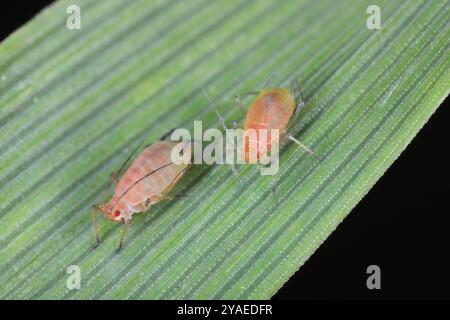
(147, 181)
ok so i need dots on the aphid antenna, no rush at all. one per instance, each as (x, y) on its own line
(269, 80)
(222, 121)
(211, 104)
(95, 208)
(94, 222)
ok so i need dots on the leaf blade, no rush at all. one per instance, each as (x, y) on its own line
(233, 243)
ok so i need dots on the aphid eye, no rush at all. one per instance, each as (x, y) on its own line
(117, 213)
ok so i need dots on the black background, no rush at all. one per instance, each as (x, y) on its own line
(402, 224)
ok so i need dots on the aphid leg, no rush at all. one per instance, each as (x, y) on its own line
(122, 236)
(222, 121)
(94, 221)
(237, 150)
(295, 86)
(303, 146)
(274, 180)
(114, 178)
(274, 185)
(169, 197)
(172, 185)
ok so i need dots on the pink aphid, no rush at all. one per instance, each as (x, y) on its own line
(146, 182)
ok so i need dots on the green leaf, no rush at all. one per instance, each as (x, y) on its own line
(74, 103)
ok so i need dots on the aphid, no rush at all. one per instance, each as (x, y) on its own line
(147, 181)
(272, 109)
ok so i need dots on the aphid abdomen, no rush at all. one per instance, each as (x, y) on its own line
(272, 109)
(155, 165)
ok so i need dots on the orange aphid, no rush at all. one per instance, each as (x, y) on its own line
(147, 181)
(271, 109)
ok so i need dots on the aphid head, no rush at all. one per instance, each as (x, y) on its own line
(116, 211)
